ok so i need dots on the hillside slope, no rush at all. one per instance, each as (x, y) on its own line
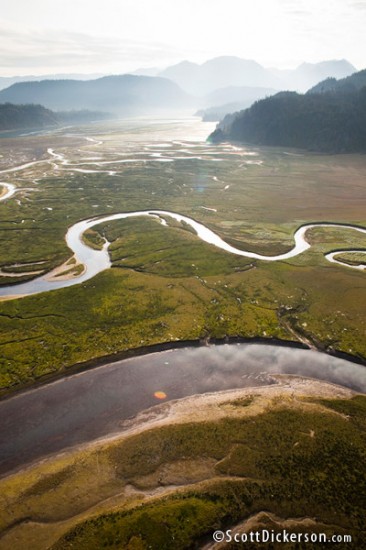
(22, 117)
(127, 94)
(14, 117)
(333, 122)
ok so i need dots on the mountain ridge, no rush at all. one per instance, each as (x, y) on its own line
(201, 79)
(325, 122)
(126, 94)
(350, 83)
(19, 117)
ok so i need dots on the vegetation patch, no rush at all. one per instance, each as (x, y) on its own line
(73, 271)
(290, 455)
(165, 284)
(352, 258)
(93, 239)
(270, 462)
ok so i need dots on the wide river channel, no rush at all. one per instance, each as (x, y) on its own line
(83, 407)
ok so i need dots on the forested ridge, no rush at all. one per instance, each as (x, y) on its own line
(25, 116)
(329, 118)
(351, 83)
(17, 117)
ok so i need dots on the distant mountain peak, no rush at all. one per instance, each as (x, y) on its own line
(231, 59)
(219, 72)
(334, 62)
(229, 70)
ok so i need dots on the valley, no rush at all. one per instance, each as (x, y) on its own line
(187, 289)
(182, 275)
(131, 248)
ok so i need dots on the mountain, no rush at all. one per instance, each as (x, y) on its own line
(6, 81)
(222, 77)
(308, 74)
(345, 85)
(227, 71)
(126, 94)
(14, 117)
(219, 72)
(19, 117)
(326, 122)
(230, 99)
(187, 76)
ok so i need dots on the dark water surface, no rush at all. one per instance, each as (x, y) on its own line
(88, 405)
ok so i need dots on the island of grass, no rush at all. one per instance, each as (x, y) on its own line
(352, 258)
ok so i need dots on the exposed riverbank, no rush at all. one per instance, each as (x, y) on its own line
(188, 452)
(93, 403)
(7, 190)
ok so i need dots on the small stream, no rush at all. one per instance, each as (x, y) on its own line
(96, 261)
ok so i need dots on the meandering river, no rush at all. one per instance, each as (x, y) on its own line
(96, 261)
(85, 406)
(170, 150)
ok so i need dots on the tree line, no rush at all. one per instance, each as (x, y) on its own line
(330, 118)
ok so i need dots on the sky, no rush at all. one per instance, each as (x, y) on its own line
(117, 36)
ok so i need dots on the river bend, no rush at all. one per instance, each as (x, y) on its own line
(96, 261)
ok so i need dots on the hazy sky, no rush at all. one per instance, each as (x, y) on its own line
(53, 36)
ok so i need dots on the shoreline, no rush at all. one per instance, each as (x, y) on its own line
(195, 408)
(84, 366)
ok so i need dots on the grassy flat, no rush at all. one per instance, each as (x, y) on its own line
(290, 455)
(165, 284)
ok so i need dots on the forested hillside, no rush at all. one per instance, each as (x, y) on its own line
(13, 117)
(18, 117)
(326, 120)
(350, 84)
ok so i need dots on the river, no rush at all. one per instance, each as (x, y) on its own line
(96, 261)
(158, 142)
(83, 407)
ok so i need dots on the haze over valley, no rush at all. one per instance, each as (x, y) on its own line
(182, 274)
(216, 83)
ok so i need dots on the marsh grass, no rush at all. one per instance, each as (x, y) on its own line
(166, 285)
(352, 258)
(270, 462)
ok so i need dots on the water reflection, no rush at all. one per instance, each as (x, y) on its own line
(88, 405)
